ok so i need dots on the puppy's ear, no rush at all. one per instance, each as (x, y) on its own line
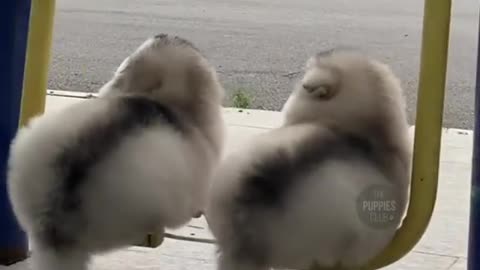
(198, 214)
(121, 68)
(319, 91)
(119, 82)
(320, 83)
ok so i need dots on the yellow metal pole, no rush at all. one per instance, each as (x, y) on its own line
(37, 59)
(428, 131)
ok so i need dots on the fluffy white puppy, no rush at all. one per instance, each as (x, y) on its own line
(101, 174)
(330, 186)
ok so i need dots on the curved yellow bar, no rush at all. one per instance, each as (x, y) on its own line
(37, 59)
(428, 132)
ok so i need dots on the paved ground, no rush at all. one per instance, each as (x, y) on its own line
(443, 246)
(259, 45)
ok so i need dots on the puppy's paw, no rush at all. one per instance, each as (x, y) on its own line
(198, 214)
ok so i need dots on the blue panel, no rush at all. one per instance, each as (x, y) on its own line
(14, 19)
(474, 232)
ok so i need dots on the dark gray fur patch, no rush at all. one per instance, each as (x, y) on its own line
(272, 178)
(165, 39)
(325, 53)
(269, 181)
(91, 146)
(331, 51)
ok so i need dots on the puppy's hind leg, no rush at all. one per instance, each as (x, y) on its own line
(45, 258)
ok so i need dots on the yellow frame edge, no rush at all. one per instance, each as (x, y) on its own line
(37, 63)
(428, 132)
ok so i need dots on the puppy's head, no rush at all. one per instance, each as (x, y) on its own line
(168, 68)
(346, 90)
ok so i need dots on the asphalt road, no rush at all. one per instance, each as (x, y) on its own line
(261, 45)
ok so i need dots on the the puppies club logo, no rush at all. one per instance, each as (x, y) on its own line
(377, 207)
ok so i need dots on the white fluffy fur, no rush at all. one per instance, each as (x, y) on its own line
(320, 222)
(153, 180)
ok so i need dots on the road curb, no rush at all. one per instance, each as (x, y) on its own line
(257, 118)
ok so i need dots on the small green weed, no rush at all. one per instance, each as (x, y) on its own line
(241, 99)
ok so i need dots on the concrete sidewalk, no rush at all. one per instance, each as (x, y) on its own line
(444, 245)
